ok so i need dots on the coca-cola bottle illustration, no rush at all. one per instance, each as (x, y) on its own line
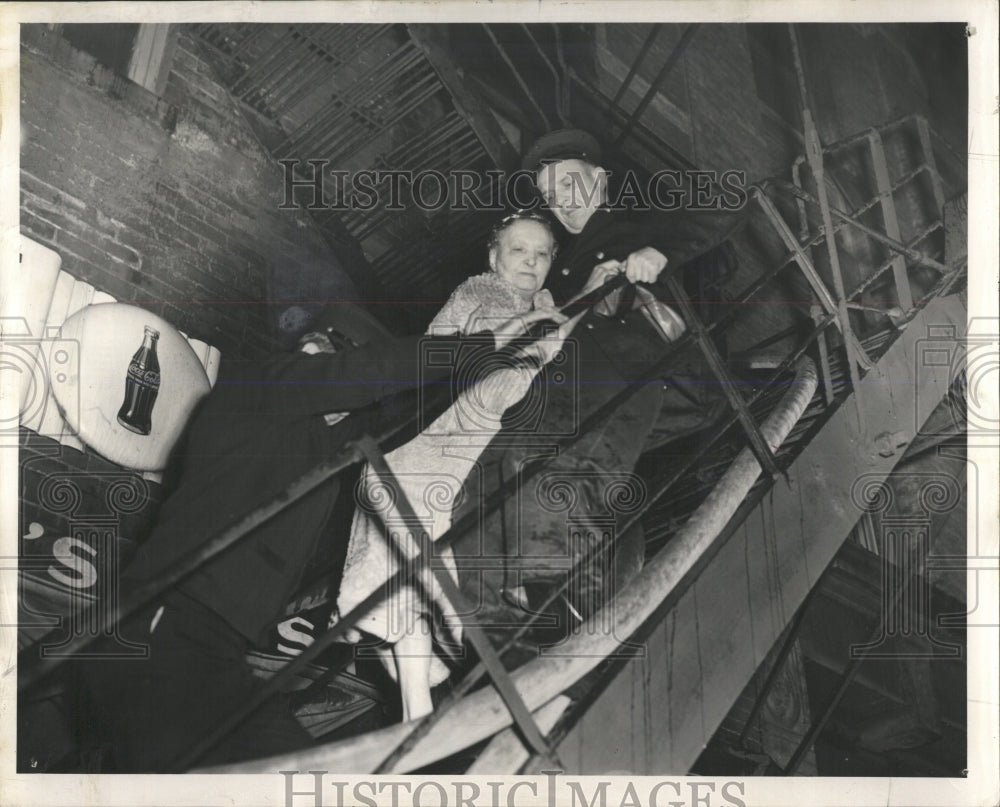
(142, 383)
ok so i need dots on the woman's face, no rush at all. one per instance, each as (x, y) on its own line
(523, 255)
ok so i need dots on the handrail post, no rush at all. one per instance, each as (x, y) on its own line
(889, 218)
(814, 152)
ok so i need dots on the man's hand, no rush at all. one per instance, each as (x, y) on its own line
(600, 275)
(644, 265)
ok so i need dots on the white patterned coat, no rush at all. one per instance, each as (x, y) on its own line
(431, 470)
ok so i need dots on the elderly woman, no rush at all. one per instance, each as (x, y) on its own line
(432, 468)
(521, 249)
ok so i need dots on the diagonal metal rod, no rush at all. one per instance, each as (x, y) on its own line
(517, 75)
(805, 263)
(262, 63)
(564, 95)
(555, 74)
(477, 636)
(914, 255)
(642, 133)
(654, 31)
(657, 82)
(814, 151)
(890, 219)
(806, 243)
(757, 443)
(885, 265)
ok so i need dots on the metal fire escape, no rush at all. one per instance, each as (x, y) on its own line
(699, 651)
(864, 337)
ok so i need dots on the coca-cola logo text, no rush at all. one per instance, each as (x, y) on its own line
(148, 378)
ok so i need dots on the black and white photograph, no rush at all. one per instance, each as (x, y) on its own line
(652, 347)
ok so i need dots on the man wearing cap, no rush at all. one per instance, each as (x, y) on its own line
(573, 186)
(614, 348)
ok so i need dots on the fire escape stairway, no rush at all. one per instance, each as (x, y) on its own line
(723, 616)
(727, 583)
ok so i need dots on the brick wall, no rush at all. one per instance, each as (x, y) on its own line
(166, 203)
(725, 112)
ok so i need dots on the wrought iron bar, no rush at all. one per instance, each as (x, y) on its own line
(657, 82)
(760, 448)
(288, 61)
(262, 59)
(641, 133)
(890, 219)
(517, 76)
(561, 58)
(370, 82)
(555, 74)
(654, 31)
(324, 60)
(824, 355)
(914, 255)
(924, 134)
(801, 197)
(814, 151)
(860, 137)
(477, 636)
(886, 265)
(354, 137)
(812, 276)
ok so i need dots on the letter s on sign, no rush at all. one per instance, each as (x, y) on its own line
(85, 571)
(287, 630)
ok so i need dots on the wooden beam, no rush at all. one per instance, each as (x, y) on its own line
(468, 104)
(152, 56)
(752, 587)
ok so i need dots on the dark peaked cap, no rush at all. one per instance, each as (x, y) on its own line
(562, 144)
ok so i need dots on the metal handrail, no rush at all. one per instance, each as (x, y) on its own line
(349, 455)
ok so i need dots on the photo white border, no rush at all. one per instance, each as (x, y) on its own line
(981, 787)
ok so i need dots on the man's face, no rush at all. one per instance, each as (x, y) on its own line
(523, 255)
(572, 190)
